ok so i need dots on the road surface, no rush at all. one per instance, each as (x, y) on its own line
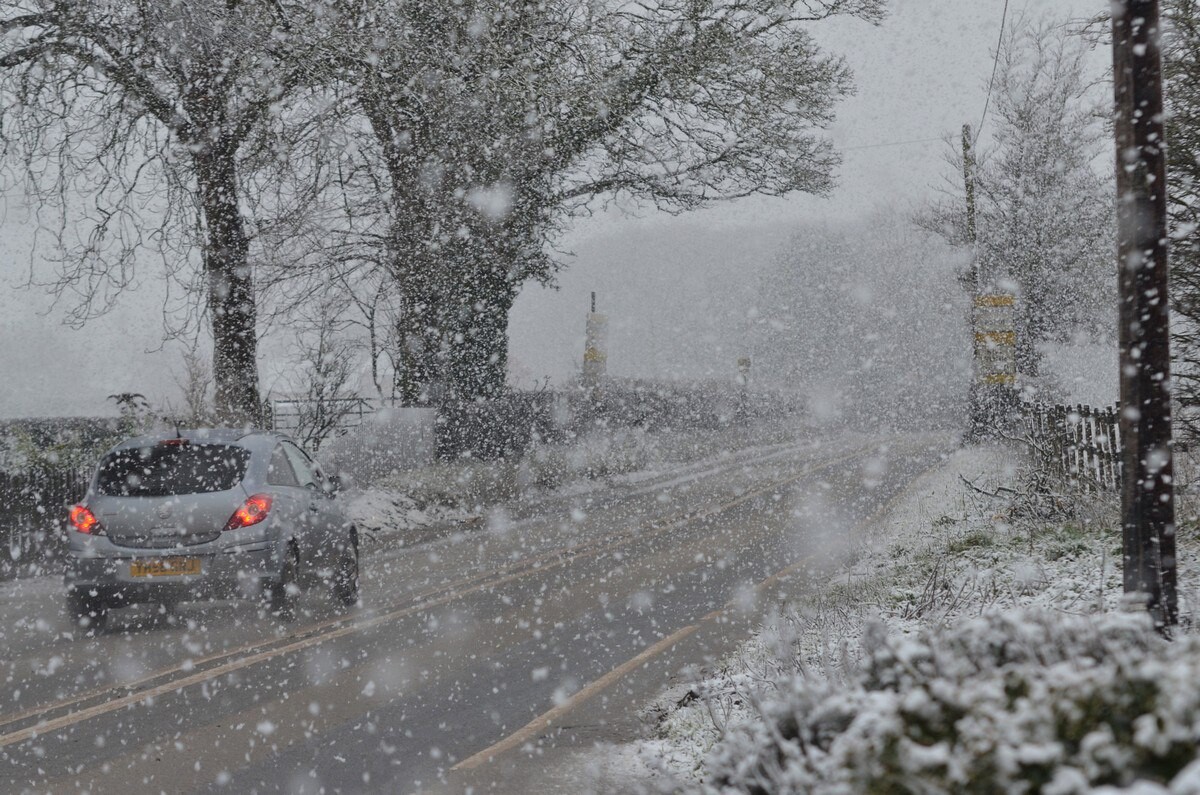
(471, 657)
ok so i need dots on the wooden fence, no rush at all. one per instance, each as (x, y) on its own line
(1079, 444)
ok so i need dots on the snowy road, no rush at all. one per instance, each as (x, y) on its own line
(568, 614)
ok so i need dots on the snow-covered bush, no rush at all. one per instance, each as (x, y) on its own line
(1010, 702)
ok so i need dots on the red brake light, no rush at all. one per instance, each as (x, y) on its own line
(253, 511)
(84, 520)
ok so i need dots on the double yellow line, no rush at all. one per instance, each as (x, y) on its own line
(315, 634)
(543, 722)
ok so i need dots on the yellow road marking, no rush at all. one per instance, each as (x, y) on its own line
(877, 516)
(547, 719)
(308, 629)
(316, 638)
(541, 722)
(244, 662)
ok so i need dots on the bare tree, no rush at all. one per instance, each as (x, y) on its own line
(196, 385)
(1045, 212)
(137, 125)
(324, 391)
(496, 121)
(374, 314)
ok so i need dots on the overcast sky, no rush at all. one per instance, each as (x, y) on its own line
(670, 284)
(673, 286)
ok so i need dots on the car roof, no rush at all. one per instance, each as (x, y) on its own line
(201, 436)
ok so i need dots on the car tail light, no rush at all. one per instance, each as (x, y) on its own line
(84, 520)
(253, 511)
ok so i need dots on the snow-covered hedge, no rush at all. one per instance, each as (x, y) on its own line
(1010, 702)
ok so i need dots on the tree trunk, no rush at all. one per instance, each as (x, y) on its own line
(421, 279)
(494, 261)
(454, 270)
(1031, 332)
(453, 334)
(417, 345)
(477, 346)
(231, 299)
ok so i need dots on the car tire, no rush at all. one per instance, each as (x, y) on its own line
(168, 610)
(281, 594)
(345, 578)
(86, 610)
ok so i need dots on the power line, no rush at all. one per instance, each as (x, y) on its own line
(995, 65)
(892, 143)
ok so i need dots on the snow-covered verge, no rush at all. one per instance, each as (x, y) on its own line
(374, 511)
(463, 491)
(977, 644)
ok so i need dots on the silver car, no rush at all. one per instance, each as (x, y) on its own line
(208, 514)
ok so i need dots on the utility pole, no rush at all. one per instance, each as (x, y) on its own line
(1147, 486)
(993, 396)
(969, 180)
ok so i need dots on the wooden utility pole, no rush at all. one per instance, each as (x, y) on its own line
(1147, 489)
(969, 179)
(993, 399)
(969, 182)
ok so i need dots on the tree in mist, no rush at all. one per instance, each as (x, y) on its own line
(1044, 209)
(136, 127)
(1181, 71)
(195, 385)
(855, 316)
(495, 121)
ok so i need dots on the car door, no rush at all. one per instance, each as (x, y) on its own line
(316, 544)
(293, 498)
(331, 515)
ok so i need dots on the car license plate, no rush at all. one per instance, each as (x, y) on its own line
(164, 567)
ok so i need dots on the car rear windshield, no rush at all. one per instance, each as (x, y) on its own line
(168, 469)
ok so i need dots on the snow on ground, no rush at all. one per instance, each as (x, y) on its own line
(462, 491)
(962, 558)
(375, 511)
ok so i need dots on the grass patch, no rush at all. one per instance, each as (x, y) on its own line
(973, 539)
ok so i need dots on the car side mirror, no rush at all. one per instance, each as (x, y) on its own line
(333, 484)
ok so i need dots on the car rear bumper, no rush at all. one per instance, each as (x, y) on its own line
(223, 575)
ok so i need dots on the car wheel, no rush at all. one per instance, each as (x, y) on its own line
(168, 609)
(281, 594)
(87, 610)
(345, 579)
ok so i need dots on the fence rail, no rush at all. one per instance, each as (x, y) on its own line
(288, 415)
(312, 422)
(1080, 444)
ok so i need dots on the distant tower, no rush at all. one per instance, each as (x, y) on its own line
(595, 352)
